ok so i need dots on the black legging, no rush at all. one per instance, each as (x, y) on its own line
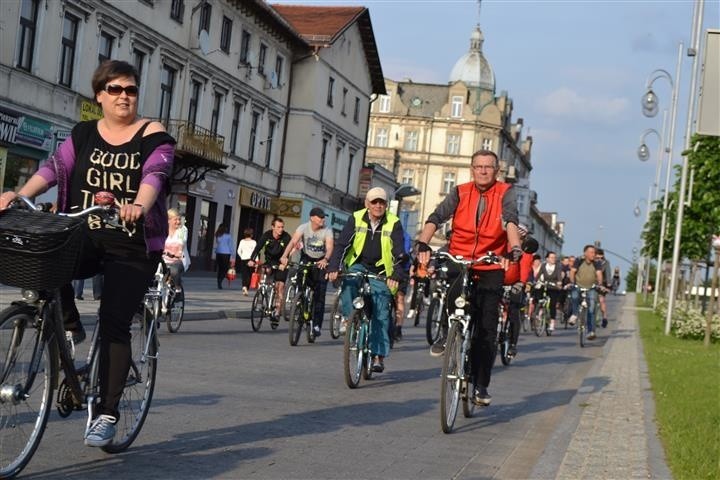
(223, 263)
(127, 277)
(245, 272)
(515, 304)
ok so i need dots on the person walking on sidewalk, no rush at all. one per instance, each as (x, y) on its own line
(371, 241)
(244, 250)
(273, 243)
(485, 218)
(317, 246)
(223, 251)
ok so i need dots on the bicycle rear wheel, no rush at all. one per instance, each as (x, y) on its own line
(582, 318)
(336, 317)
(139, 386)
(452, 372)
(296, 320)
(505, 343)
(539, 321)
(434, 321)
(291, 291)
(257, 313)
(176, 311)
(353, 358)
(25, 399)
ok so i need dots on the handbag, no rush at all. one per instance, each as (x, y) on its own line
(230, 275)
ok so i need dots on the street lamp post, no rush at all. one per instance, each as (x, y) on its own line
(668, 150)
(694, 52)
(640, 279)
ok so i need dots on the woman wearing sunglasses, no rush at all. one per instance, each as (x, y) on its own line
(132, 158)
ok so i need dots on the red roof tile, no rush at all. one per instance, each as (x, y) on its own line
(318, 24)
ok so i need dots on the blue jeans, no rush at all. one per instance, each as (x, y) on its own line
(591, 297)
(380, 309)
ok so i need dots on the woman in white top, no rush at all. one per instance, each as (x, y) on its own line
(175, 253)
(244, 251)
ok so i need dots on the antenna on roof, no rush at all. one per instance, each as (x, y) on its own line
(479, 9)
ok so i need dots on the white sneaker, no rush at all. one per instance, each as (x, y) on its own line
(411, 313)
(101, 431)
(551, 328)
(245, 291)
(572, 320)
(343, 326)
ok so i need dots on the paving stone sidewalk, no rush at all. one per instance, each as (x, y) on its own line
(609, 431)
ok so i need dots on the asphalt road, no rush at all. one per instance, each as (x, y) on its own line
(231, 403)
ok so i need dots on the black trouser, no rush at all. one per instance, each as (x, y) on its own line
(127, 277)
(223, 263)
(515, 304)
(245, 272)
(319, 284)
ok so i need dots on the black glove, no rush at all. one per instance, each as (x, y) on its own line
(423, 247)
(516, 288)
(515, 254)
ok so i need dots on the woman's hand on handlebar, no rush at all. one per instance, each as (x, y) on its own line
(132, 212)
(6, 199)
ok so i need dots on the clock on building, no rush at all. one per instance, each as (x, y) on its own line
(416, 101)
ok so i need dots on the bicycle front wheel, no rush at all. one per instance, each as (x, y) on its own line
(582, 319)
(296, 320)
(434, 321)
(452, 373)
(336, 317)
(176, 311)
(257, 313)
(25, 393)
(539, 321)
(353, 360)
(139, 386)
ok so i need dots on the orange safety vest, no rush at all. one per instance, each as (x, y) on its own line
(474, 237)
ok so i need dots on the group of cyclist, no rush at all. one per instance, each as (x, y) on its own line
(122, 145)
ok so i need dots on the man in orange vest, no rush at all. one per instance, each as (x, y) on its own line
(485, 219)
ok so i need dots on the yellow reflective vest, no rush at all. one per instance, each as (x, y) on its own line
(361, 229)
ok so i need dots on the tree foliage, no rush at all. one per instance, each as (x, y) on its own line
(702, 217)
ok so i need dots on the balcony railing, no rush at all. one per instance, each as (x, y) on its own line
(196, 140)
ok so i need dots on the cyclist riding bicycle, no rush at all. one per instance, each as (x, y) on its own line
(586, 273)
(317, 246)
(550, 275)
(516, 276)
(485, 219)
(606, 279)
(175, 254)
(371, 241)
(273, 242)
(131, 157)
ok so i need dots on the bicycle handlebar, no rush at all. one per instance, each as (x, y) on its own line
(488, 259)
(372, 276)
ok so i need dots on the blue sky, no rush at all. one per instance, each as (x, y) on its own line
(576, 71)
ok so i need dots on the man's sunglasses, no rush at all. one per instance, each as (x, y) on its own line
(378, 200)
(115, 90)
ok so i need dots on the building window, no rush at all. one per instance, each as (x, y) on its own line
(269, 142)
(253, 135)
(331, 88)
(226, 34)
(106, 46)
(344, 101)
(139, 62)
(356, 112)
(384, 105)
(323, 155)
(261, 59)
(457, 104)
(381, 137)
(453, 144)
(487, 144)
(521, 204)
(235, 127)
(205, 14)
(69, 41)
(411, 140)
(26, 33)
(408, 176)
(215, 118)
(177, 9)
(350, 170)
(167, 85)
(448, 182)
(244, 47)
(279, 62)
(195, 87)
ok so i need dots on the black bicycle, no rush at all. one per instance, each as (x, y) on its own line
(505, 327)
(437, 314)
(301, 310)
(38, 253)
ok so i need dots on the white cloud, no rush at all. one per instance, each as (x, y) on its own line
(567, 103)
(400, 69)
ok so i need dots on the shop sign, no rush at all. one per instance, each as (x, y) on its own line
(90, 111)
(286, 207)
(8, 126)
(335, 219)
(35, 133)
(61, 136)
(204, 188)
(253, 199)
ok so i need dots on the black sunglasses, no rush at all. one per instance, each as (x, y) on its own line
(378, 200)
(115, 90)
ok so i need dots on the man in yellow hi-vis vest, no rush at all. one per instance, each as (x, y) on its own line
(371, 241)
